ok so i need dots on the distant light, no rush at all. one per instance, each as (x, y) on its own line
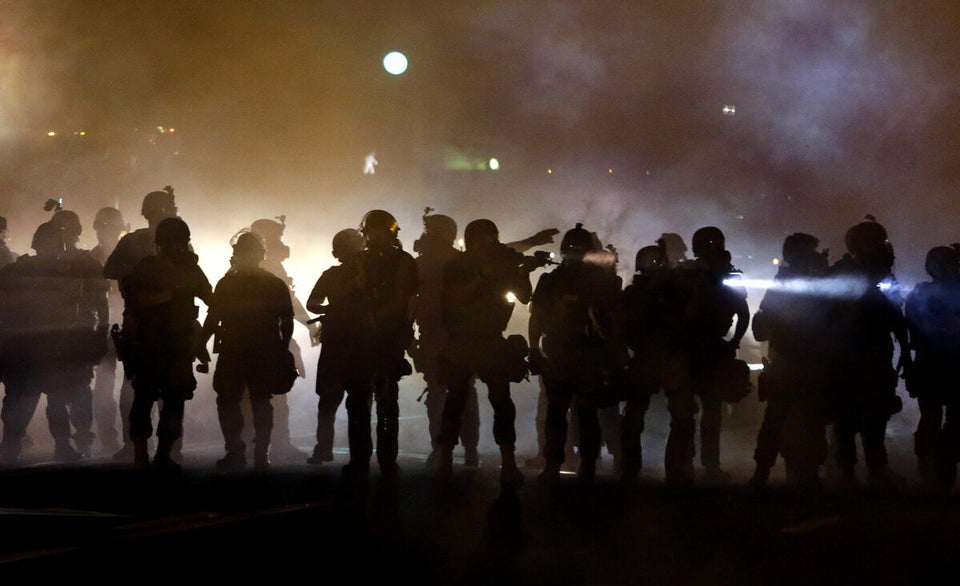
(80, 133)
(729, 110)
(776, 261)
(511, 297)
(461, 244)
(395, 62)
(171, 129)
(51, 133)
(610, 171)
(494, 164)
(549, 171)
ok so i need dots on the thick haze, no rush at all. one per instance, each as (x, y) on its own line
(843, 108)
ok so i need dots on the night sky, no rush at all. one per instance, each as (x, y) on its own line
(843, 108)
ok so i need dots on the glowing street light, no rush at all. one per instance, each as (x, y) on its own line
(395, 63)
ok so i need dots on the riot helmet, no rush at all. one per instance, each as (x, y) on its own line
(249, 245)
(48, 239)
(479, 233)
(347, 243)
(379, 221)
(109, 219)
(577, 242)
(651, 258)
(271, 234)
(442, 228)
(158, 205)
(674, 247)
(69, 223)
(267, 229)
(867, 243)
(943, 263)
(801, 252)
(708, 241)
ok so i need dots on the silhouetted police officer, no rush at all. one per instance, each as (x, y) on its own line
(792, 320)
(130, 249)
(711, 306)
(932, 312)
(50, 307)
(435, 248)
(652, 315)
(252, 318)
(865, 324)
(160, 338)
(386, 285)
(271, 232)
(574, 329)
(334, 297)
(476, 311)
(109, 226)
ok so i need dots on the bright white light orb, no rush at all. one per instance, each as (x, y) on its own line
(395, 62)
(494, 164)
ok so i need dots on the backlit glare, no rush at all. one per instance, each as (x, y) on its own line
(395, 62)
(511, 297)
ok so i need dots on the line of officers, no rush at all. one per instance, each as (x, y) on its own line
(839, 339)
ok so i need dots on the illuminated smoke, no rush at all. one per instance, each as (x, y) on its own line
(843, 108)
(827, 287)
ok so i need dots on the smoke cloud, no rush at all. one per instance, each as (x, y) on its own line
(607, 113)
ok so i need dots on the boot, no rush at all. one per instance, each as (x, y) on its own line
(320, 455)
(587, 471)
(550, 476)
(162, 459)
(10, 453)
(232, 462)
(760, 478)
(444, 462)
(140, 452)
(64, 452)
(471, 457)
(261, 455)
(510, 476)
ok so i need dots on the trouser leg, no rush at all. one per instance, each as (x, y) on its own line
(388, 419)
(263, 424)
(710, 423)
(359, 396)
(330, 396)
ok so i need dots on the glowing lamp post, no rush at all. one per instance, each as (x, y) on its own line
(395, 63)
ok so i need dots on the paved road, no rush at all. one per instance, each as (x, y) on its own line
(101, 521)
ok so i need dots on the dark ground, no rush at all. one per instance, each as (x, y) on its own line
(101, 521)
